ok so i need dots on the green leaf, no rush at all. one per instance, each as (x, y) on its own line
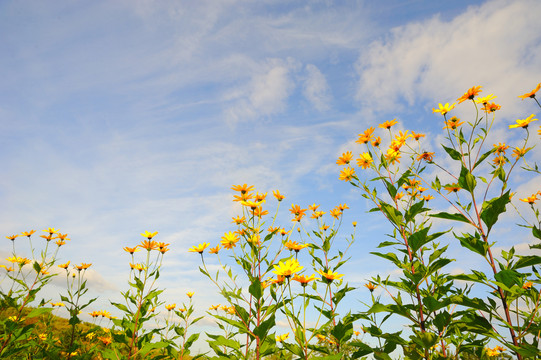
(263, 328)
(418, 239)
(508, 277)
(536, 232)
(415, 210)
(492, 209)
(529, 260)
(38, 311)
(191, 340)
(392, 213)
(455, 155)
(473, 243)
(255, 288)
(456, 217)
(483, 157)
(466, 180)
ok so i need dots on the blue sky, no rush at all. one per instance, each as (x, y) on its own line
(118, 117)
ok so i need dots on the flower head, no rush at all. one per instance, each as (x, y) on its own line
(523, 123)
(452, 188)
(28, 233)
(370, 286)
(12, 237)
(485, 99)
(470, 94)
(500, 148)
(295, 246)
(243, 189)
(365, 160)
(531, 94)
(426, 156)
(50, 231)
(131, 250)
(530, 200)
(170, 307)
(229, 240)
(366, 136)
(520, 152)
(149, 235)
(329, 275)
(347, 174)
(199, 248)
(491, 107)
(214, 250)
(277, 195)
(64, 266)
(149, 245)
(345, 158)
(303, 279)
(190, 294)
(288, 268)
(453, 123)
(527, 285)
(83, 266)
(281, 338)
(388, 124)
(444, 109)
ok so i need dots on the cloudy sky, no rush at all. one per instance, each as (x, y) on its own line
(118, 117)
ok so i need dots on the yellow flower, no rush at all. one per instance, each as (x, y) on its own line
(417, 136)
(330, 275)
(214, 250)
(293, 245)
(50, 231)
(139, 267)
(444, 109)
(281, 338)
(370, 286)
(83, 266)
(60, 242)
(288, 268)
(523, 123)
(106, 340)
(251, 204)
(376, 142)
(148, 245)
(426, 156)
(260, 197)
(470, 94)
(336, 213)
(485, 99)
(28, 233)
(229, 240)
(304, 280)
(62, 236)
(388, 124)
(345, 158)
(499, 160)
(500, 148)
(170, 307)
(452, 188)
(520, 152)
(277, 195)
(453, 123)
(239, 220)
(366, 136)
(530, 200)
(190, 294)
(347, 174)
(354, 223)
(243, 189)
(393, 155)
(491, 107)
(131, 250)
(12, 237)
(199, 248)
(364, 160)
(48, 237)
(214, 307)
(149, 235)
(42, 337)
(531, 94)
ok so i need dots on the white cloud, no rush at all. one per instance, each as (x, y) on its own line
(316, 89)
(486, 45)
